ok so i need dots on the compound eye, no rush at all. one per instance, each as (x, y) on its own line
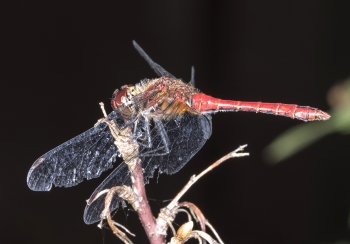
(119, 97)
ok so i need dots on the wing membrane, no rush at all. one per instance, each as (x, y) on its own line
(84, 156)
(187, 135)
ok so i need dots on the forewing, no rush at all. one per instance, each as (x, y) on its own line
(187, 134)
(85, 156)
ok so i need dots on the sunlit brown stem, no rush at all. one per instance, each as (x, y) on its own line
(196, 213)
(124, 192)
(214, 231)
(121, 235)
(123, 139)
(124, 228)
(144, 210)
(200, 235)
(199, 217)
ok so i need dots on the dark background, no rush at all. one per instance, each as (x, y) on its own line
(60, 59)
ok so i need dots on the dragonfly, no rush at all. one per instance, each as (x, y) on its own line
(168, 119)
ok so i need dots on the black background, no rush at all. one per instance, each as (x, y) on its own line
(60, 59)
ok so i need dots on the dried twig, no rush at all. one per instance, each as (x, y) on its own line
(144, 210)
(121, 235)
(124, 228)
(123, 139)
(196, 213)
(167, 214)
(214, 231)
(236, 153)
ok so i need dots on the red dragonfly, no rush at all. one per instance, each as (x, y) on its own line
(170, 121)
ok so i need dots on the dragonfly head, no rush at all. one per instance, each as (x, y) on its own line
(123, 96)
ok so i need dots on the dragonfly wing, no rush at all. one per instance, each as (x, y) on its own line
(174, 141)
(160, 71)
(187, 134)
(85, 156)
(120, 176)
(192, 82)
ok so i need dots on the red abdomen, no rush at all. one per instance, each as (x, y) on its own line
(205, 103)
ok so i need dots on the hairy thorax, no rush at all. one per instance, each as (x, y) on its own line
(161, 98)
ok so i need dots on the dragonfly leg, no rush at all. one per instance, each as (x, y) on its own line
(146, 140)
(163, 134)
(164, 138)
